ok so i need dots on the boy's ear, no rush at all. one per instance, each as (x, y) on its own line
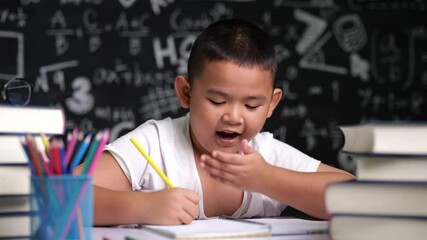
(182, 89)
(275, 99)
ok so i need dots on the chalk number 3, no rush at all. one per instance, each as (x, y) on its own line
(81, 101)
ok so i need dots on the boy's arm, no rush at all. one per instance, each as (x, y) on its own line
(115, 203)
(304, 191)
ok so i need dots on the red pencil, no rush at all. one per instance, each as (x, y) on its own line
(55, 156)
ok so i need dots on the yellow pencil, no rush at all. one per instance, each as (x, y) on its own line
(45, 141)
(151, 162)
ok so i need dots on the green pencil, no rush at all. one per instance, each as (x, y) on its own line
(91, 153)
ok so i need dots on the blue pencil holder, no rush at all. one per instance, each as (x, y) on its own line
(62, 207)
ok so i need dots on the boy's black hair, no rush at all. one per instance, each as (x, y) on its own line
(235, 40)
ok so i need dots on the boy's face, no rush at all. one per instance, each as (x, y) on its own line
(227, 104)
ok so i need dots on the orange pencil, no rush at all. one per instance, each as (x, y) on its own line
(33, 153)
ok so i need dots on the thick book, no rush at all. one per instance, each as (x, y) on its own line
(14, 179)
(11, 150)
(391, 167)
(211, 228)
(348, 227)
(31, 119)
(382, 137)
(386, 198)
(15, 225)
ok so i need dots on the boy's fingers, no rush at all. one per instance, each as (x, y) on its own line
(227, 158)
(185, 219)
(245, 147)
(214, 164)
(193, 197)
(192, 209)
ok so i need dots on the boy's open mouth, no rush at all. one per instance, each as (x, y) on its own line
(227, 135)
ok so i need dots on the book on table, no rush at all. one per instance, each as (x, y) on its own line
(387, 201)
(390, 167)
(12, 150)
(15, 225)
(15, 187)
(360, 227)
(386, 198)
(15, 206)
(16, 121)
(14, 179)
(385, 137)
(31, 119)
(377, 209)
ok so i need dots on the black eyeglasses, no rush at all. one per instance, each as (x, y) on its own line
(17, 91)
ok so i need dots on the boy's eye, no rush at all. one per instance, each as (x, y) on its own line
(251, 107)
(216, 102)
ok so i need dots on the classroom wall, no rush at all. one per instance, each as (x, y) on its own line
(112, 63)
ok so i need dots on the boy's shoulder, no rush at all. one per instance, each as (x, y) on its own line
(164, 129)
(164, 123)
(262, 138)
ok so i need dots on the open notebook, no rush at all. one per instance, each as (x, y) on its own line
(293, 226)
(211, 228)
(225, 227)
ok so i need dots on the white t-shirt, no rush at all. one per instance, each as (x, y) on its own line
(168, 143)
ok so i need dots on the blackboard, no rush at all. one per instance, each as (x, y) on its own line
(112, 63)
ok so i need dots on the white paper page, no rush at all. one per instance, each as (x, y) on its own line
(293, 226)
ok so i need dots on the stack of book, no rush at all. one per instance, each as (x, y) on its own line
(389, 198)
(15, 189)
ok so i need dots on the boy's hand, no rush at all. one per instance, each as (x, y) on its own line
(245, 171)
(173, 206)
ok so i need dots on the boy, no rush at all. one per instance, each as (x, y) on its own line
(215, 156)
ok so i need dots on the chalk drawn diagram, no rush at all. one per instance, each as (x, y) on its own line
(351, 35)
(12, 46)
(310, 44)
(159, 101)
(392, 57)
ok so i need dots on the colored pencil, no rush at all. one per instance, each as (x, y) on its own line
(81, 152)
(70, 146)
(91, 152)
(45, 141)
(33, 154)
(27, 153)
(55, 156)
(45, 163)
(99, 151)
